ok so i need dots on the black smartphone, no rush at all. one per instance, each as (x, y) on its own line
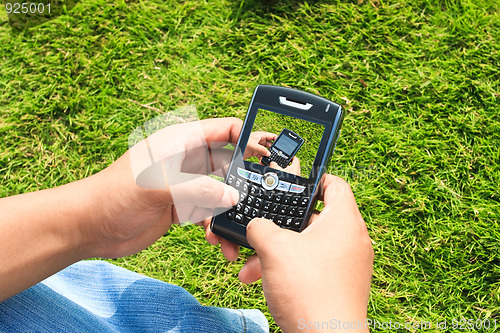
(286, 195)
(283, 148)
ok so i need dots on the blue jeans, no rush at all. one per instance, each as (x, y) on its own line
(96, 296)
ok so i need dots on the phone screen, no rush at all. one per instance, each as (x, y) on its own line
(286, 145)
(273, 123)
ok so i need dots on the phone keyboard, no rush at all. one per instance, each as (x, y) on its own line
(280, 159)
(286, 209)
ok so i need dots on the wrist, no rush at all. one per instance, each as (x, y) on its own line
(88, 202)
(117, 217)
(94, 212)
(79, 205)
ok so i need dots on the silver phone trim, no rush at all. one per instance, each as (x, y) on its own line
(296, 105)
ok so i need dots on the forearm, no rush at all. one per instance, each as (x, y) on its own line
(40, 234)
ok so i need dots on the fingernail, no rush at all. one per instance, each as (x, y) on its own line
(230, 197)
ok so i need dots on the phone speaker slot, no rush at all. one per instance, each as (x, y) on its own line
(294, 104)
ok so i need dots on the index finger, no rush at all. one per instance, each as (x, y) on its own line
(266, 136)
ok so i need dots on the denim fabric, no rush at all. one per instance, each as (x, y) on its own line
(95, 296)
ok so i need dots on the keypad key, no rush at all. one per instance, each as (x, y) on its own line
(283, 186)
(238, 218)
(250, 200)
(291, 211)
(287, 199)
(230, 179)
(301, 212)
(272, 217)
(247, 210)
(266, 195)
(304, 201)
(256, 191)
(266, 205)
(297, 222)
(238, 183)
(280, 220)
(295, 200)
(254, 213)
(230, 214)
(239, 207)
(282, 210)
(274, 208)
(277, 197)
(245, 187)
(257, 203)
(242, 197)
(294, 188)
(253, 190)
(289, 221)
(265, 214)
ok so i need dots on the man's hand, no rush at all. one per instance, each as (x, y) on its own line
(320, 274)
(176, 188)
(258, 144)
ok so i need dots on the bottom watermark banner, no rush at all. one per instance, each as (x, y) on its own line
(461, 324)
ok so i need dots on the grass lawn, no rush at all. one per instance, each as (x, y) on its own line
(420, 142)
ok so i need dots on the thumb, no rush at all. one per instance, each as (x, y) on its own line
(202, 191)
(260, 233)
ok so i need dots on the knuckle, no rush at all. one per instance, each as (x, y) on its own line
(365, 243)
(204, 189)
(341, 182)
(236, 120)
(338, 185)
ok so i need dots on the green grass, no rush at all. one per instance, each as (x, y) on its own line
(419, 145)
